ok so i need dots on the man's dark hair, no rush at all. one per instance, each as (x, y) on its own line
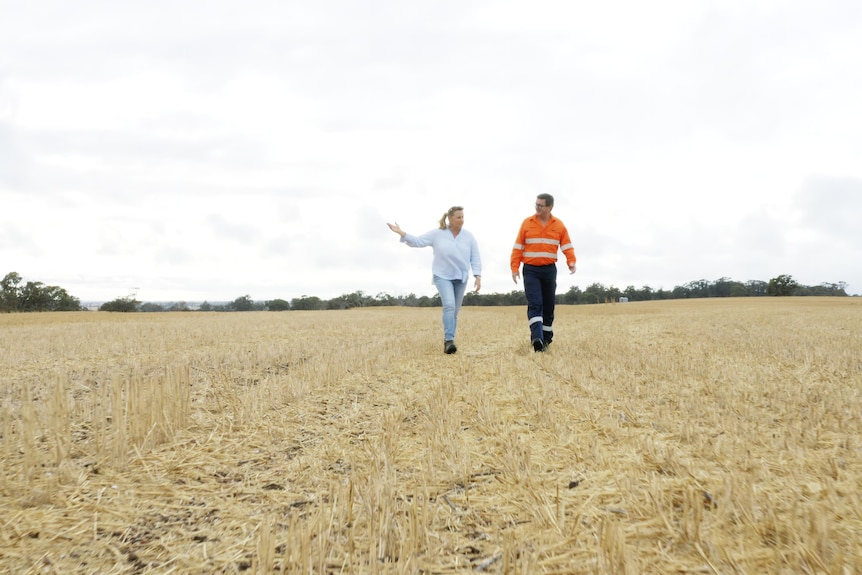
(549, 199)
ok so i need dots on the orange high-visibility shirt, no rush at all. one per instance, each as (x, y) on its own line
(537, 244)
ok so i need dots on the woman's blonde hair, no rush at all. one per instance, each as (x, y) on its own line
(449, 214)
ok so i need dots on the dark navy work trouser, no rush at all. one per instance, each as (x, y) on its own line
(540, 287)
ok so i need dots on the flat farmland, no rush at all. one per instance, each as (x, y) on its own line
(699, 436)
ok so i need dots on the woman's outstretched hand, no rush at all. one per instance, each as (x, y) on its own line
(395, 228)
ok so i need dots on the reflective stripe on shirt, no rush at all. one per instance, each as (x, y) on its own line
(543, 241)
(546, 255)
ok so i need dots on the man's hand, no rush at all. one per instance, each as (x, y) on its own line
(572, 268)
(515, 276)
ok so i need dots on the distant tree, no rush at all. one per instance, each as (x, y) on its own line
(307, 303)
(782, 285)
(487, 299)
(9, 292)
(824, 289)
(600, 293)
(432, 301)
(662, 293)
(278, 305)
(680, 292)
(572, 297)
(837, 289)
(473, 298)
(242, 303)
(698, 288)
(643, 294)
(756, 287)
(646, 293)
(150, 307)
(358, 299)
(340, 302)
(355, 299)
(121, 304)
(384, 299)
(410, 300)
(34, 296)
(62, 301)
(722, 287)
(516, 297)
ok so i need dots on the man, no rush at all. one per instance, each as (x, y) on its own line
(536, 247)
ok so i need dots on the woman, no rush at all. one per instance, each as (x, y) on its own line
(455, 253)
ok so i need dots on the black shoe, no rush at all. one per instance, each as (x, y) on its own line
(547, 343)
(449, 346)
(538, 345)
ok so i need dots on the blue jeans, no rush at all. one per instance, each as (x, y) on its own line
(451, 295)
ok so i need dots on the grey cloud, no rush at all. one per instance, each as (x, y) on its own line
(127, 236)
(193, 38)
(760, 235)
(128, 185)
(224, 229)
(759, 74)
(125, 148)
(14, 237)
(369, 224)
(665, 255)
(286, 246)
(128, 167)
(832, 207)
(363, 247)
(383, 68)
(14, 161)
(174, 255)
(394, 181)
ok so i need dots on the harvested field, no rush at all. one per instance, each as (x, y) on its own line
(700, 436)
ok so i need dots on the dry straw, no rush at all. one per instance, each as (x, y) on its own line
(711, 436)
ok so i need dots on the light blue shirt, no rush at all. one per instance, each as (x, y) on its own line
(453, 256)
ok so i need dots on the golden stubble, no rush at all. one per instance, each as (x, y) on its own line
(717, 436)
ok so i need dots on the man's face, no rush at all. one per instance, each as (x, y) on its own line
(542, 207)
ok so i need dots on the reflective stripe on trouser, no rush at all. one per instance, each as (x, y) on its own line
(540, 287)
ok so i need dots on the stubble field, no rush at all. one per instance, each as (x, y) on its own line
(704, 436)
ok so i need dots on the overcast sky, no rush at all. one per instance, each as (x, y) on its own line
(205, 150)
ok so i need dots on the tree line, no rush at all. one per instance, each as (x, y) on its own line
(36, 296)
(783, 285)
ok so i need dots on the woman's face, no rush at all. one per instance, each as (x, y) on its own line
(456, 220)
